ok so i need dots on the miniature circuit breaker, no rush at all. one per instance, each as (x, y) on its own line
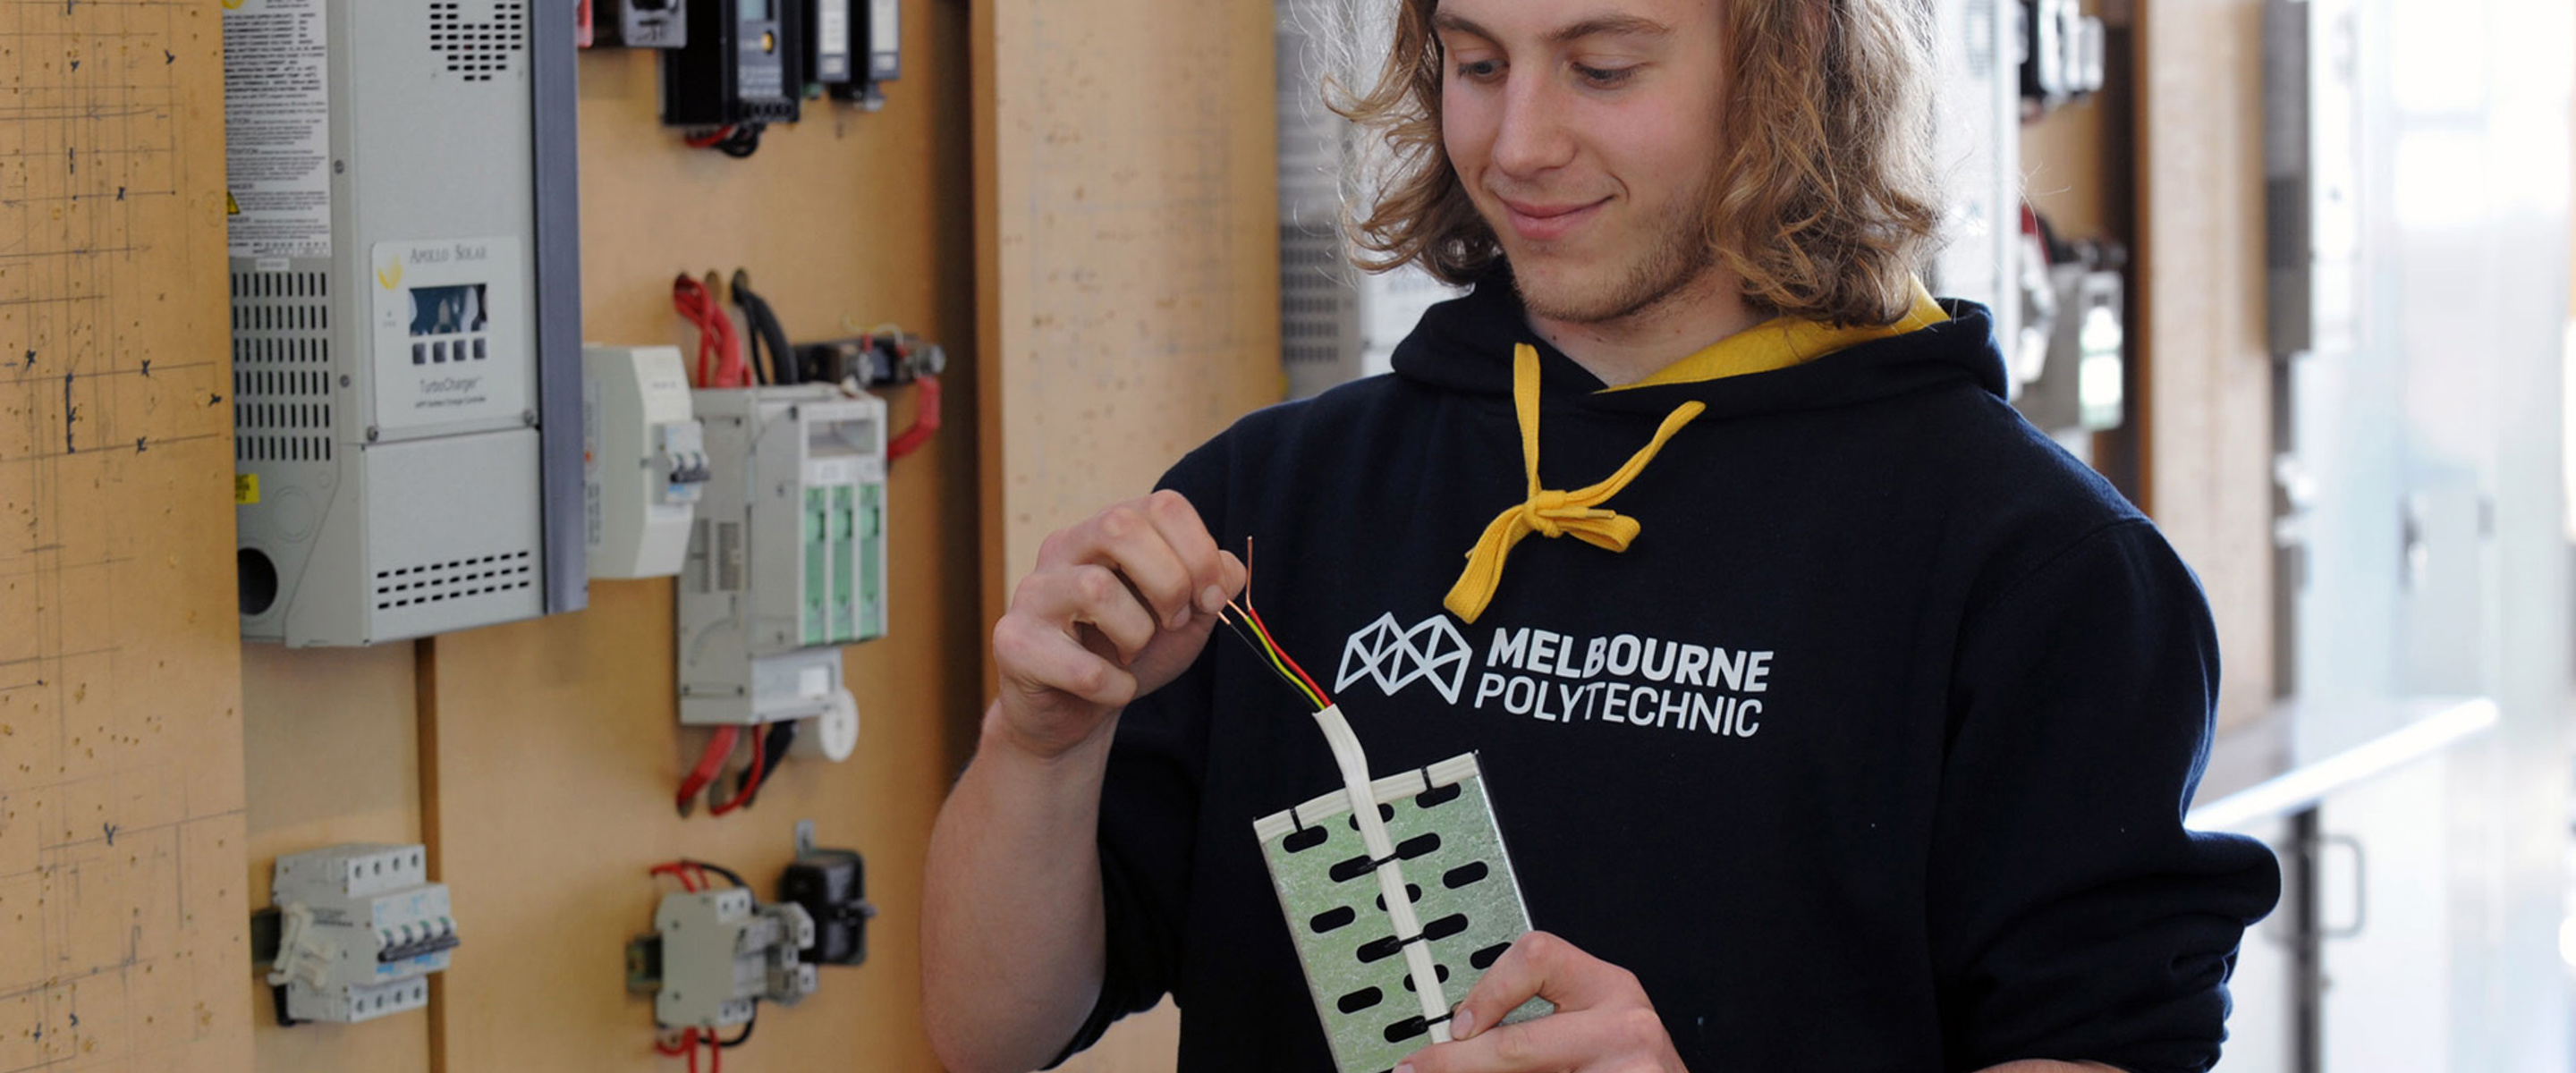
(645, 460)
(720, 952)
(362, 928)
(786, 560)
(1466, 902)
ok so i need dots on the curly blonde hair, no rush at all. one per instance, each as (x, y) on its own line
(1826, 204)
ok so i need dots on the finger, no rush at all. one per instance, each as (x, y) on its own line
(1577, 1040)
(1186, 534)
(1540, 965)
(1035, 657)
(1094, 595)
(1127, 539)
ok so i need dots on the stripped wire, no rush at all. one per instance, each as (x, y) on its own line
(1264, 645)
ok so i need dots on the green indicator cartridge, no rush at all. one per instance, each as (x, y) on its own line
(817, 513)
(844, 526)
(871, 541)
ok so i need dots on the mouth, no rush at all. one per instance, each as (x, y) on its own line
(1546, 222)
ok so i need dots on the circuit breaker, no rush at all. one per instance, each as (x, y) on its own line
(645, 460)
(641, 23)
(787, 557)
(721, 952)
(405, 339)
(362, 927)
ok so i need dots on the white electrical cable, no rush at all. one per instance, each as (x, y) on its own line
(1390, 875)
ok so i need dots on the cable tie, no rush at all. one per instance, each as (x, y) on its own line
(1418, 937)
(1440, 1020)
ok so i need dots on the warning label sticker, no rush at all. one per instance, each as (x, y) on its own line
(277, 128)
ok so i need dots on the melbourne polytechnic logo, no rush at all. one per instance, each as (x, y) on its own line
(1396, 656)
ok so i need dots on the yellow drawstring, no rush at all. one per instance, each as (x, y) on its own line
(1551, 513)
(1774, 344)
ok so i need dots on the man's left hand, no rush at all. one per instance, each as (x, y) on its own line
(1602, 1024)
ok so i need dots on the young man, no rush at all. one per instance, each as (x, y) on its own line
(1853, 731)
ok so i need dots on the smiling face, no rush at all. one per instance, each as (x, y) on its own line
(1589, 135)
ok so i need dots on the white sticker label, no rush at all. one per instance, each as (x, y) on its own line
(835, 29)
(277, 129)
(882, 17)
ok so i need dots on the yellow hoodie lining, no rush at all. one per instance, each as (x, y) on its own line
(1774, 344)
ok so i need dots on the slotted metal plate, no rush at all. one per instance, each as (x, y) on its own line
(1452, 856)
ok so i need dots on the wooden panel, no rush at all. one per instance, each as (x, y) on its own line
(1128, 254)
(554, 746)
(1130, 251)
(330, 733)
(123, 918)
(2207, 376)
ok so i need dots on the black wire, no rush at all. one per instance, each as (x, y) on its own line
(782, 737)
(747, 1026)
(1261, 656)
(765, 328)
(719, 869)
(744, 141)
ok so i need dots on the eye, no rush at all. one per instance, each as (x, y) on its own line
(1480, 70)
(1604, 77)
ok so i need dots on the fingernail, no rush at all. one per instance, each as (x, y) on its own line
(1211, 598)
(1180, 618)
(1404, 1069)
(1462, 1023)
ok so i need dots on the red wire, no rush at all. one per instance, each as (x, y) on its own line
(709, 139)
(925, 420)
(751, 782)
(716, 336)
(709, 763)
(1264, 627)
(679, 870)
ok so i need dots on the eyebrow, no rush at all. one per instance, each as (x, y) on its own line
(1597, 26)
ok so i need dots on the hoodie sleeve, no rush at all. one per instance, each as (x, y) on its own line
(1149, 809)
(2072, 917)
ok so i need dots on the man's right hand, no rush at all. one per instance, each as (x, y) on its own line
(1119, 605)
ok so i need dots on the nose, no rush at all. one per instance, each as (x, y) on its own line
(1533, 136)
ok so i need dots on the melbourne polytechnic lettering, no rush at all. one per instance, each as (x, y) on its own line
(1670, 684)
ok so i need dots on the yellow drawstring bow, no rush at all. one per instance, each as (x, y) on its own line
(1774, 344)
(1551, 513)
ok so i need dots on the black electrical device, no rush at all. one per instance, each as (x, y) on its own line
(872, 361)
(876, 43)
(640, 24)
(829, 61)
(832, 887)
(743, 64)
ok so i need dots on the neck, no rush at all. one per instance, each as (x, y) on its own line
(1639, 344)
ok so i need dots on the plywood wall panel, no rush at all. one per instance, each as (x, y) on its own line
(123, 914)
(332, 736)
(2207, 376)
(1130, 248)
(554, 745)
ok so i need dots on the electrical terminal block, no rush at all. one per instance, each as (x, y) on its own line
(362, 926)
(718, 953)
(787, 559)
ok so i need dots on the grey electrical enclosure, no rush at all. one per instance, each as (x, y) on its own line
(405, 304)
(787, 557)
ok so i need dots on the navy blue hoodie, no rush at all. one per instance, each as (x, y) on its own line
(1870, 754)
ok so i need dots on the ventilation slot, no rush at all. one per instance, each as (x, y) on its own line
(1314, 301)
(281, 367)
(478, 50)
(457, 580)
